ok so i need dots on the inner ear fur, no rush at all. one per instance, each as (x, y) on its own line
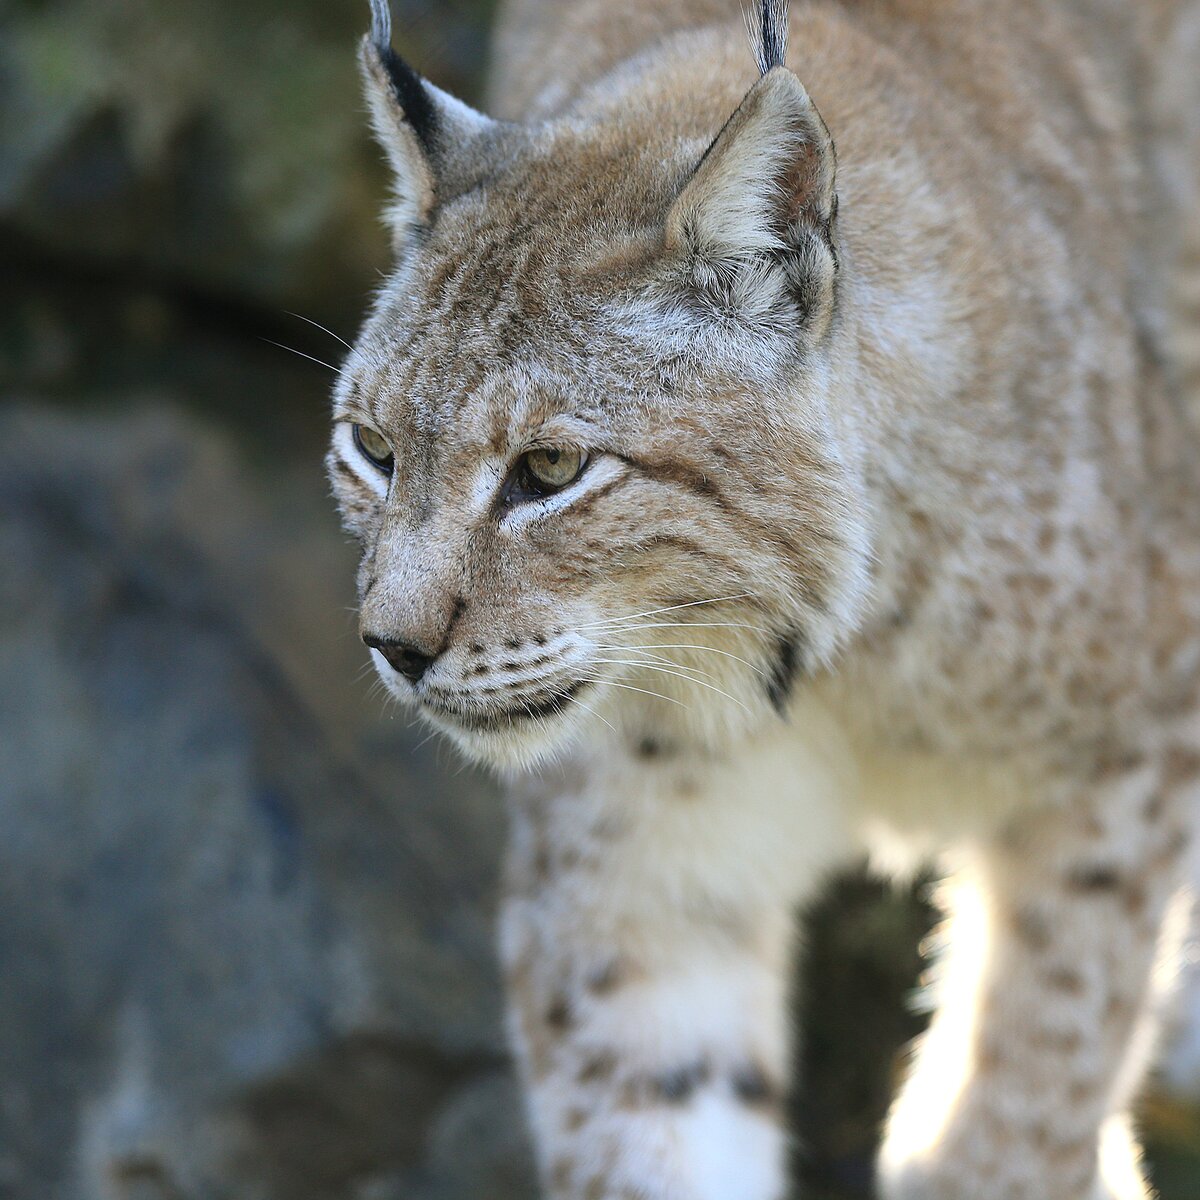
(415, 188)
(428, 136)
(766, 185)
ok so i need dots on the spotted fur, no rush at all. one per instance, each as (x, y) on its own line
(888, 539)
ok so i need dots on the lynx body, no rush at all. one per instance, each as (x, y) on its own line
(761, 473)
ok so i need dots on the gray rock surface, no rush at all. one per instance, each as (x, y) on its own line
(244, 930)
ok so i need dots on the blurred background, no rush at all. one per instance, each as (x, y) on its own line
(245, 917)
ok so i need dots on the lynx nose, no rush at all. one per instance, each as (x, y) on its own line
(409, 660)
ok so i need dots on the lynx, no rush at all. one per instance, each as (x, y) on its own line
(761, 474)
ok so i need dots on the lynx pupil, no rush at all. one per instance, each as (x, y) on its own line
(553, 468)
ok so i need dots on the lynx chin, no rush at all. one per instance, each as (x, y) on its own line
(755, 505)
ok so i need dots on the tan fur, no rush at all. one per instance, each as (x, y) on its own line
(890, 538)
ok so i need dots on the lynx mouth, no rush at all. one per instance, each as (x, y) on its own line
(549, 705)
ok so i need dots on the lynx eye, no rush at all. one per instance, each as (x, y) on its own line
(550, 469)
(373, 447)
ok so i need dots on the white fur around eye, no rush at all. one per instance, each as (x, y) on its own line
(369, 475)
(600, 470)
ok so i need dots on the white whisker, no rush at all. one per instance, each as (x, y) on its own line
(318, 325)
(425, 740)
(688, 646)
(694, 625)
(587, 708)
(319, 362)
(669, 608)
(630, 688)
(645, 666)
(651, 659)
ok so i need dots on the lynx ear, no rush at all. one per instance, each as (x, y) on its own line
(766, 184)
(425, 132)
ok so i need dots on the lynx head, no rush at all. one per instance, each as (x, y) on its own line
(589, 437)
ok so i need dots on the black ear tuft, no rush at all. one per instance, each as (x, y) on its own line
(768, 33)
(381, 25)
(408, 86)
(437, 145)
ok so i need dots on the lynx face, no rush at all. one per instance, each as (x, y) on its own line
(563, 440)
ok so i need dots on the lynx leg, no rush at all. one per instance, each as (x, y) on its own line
(1020, 1085)
(646, 935)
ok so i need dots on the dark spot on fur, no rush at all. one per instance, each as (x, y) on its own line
(1065, 979)
(605, 980)
(1032, 928)
(650, 747)
(982, 611)
(1094, 878)
(558, 1015)
(1113, 763)
(597, 1068)
(1183, 764)
(1135, 898)
(988, 1057)
(751, 1086)
(677, 1087)
(1119, 1009)
(350, 476)
(784, 670)
(1176, 843)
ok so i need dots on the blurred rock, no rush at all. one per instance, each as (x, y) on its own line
(206, 144)
(244, 936)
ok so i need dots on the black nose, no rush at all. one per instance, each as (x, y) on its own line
(410, 661)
